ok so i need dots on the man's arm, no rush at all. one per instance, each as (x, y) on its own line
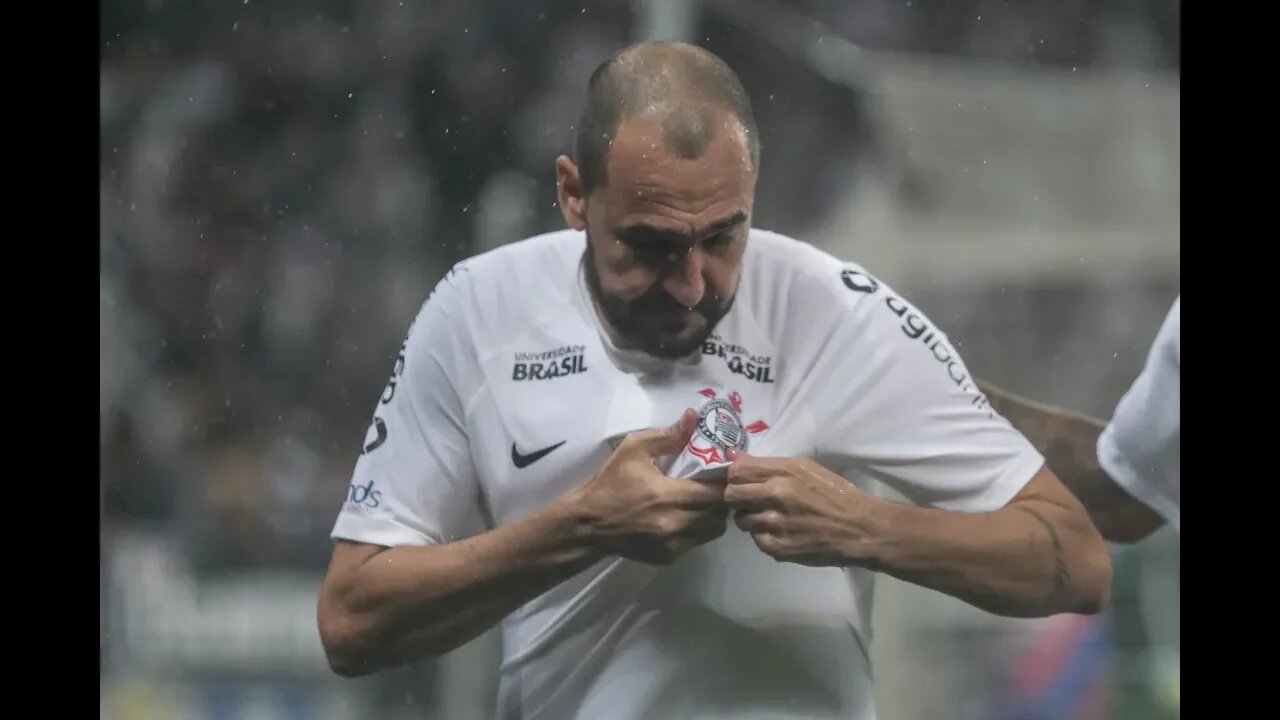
(1039, 555)
(1036, 556)
(891, 401)
(1069, 442)
(383, 606)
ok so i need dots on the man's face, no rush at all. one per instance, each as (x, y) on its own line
(665, 235)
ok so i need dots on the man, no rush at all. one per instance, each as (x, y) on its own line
(531, 383)
(1127, 472)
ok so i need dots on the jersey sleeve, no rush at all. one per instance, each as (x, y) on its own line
(1140, 448)
(414, 481)
(890, 397)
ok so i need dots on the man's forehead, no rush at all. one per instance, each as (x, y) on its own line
(639, 148)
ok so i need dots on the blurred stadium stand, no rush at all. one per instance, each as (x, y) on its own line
(282, 182)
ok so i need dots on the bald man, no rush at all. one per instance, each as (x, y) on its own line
(669, 421)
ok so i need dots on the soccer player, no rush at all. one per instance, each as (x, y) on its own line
(575, 389)
(1126, 472)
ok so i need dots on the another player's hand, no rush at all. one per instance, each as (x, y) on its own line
(798, 511)
(635, 510)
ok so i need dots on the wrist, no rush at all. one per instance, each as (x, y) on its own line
(875, 526)
(575, 524)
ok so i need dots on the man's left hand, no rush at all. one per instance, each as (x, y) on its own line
(798, 511)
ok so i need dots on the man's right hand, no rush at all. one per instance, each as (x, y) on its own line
(634, 510)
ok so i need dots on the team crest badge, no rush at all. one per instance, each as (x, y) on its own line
(720, 428)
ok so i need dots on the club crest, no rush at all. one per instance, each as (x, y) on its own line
(720, 428)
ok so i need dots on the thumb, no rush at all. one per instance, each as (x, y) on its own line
(669, 440)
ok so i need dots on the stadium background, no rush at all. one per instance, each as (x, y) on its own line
(282, 182)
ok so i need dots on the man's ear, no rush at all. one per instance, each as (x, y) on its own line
(573, 203)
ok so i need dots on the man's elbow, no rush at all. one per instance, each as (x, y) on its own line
(1092, 584)
(345, 648)
(348, 665)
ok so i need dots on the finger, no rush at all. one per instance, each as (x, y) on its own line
(695, 495)
(691, 524)
(749, 497)
(768, 543)
(707, 525)
(667, 441)
(764, 521)
(751, 468)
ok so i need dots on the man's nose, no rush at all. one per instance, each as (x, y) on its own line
(685, 282)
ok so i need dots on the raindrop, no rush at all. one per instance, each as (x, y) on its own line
(235, 26)
(351, 94)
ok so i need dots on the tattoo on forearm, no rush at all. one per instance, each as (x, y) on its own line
(1060, 575)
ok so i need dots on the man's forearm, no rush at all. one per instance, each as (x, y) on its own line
(1029, 559)
(403, 603)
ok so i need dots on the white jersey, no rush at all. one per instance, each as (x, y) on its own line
(1141, 448)
(507, 395)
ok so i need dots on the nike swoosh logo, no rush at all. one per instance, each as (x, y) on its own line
(522, 461)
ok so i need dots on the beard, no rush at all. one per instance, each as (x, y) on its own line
(654, 322)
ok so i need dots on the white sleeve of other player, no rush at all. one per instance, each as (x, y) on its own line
(1141, 447)
(414, 483)
(891, 397)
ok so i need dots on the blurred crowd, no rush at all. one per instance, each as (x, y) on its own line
(282, 183)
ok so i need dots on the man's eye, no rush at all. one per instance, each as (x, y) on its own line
(656, 255)
(719, 241)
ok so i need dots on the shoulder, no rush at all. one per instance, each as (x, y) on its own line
(514, 285)
(788, 281)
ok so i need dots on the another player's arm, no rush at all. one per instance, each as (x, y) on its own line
(1069, 442)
